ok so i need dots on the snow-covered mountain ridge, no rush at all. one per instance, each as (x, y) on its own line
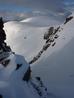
(53, 35)
(55, 65)
(28, 34)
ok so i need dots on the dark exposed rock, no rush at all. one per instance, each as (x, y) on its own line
(40, 52)
(56, 30)
(39, 86)
(46, 36)
(51, 40)
(31, 62)
(68, 19)
(35, 58)
(3, 44)
(38, 56)
(27, 75)
(2, 33)
(53, 44)
(3, 56)
(50, 32)
(46, 46)
(7, 48)
(56, 36)
(45, 89)
(5, 62)
(47, 40)
(38, 78)
(18, 66)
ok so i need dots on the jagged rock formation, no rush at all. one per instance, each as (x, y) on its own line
(50, 37)
(68, 19)
(49, 33)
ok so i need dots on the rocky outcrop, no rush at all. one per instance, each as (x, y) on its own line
(50, 37)
(68, 19)
(49, 33)
(27, 75)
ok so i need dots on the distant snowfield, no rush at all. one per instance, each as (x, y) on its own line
(56, 65)
(41, 21)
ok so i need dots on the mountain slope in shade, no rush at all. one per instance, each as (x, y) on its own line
(16, 80)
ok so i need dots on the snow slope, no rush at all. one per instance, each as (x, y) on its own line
(28, 35)
(24, 39)
(56, 65)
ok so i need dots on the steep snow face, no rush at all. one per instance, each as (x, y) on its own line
(56, 66)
